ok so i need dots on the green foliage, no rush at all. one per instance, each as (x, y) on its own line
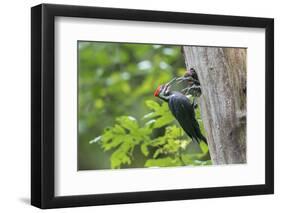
(163, 162)
(161, 151)
(160, 116)
(117, 80)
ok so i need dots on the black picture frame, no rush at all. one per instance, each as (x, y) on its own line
(43, 102)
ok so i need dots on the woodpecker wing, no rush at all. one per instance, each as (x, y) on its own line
(183, 111)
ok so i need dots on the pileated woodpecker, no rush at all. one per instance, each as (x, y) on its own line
(182, 109)
(192, 73)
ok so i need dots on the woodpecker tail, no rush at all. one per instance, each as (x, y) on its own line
(202, 137)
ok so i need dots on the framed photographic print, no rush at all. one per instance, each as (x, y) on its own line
(139, 106)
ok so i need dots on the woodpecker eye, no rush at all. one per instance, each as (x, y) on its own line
(157, 91)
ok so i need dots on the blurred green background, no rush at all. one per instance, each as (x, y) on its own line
(121, 123)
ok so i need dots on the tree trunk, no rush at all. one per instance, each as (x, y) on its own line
(222, 74)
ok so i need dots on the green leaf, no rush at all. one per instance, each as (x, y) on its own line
(144, 149)
(150, 115)
(95, 140)
(174, 131)
(107, 136)
(150, 122)
(162, 162)
(116, 141)
(117, 129)
(204, 147)
(157, 153)
(128, 122)
(152, 105)
(163, 121)
(121, 155)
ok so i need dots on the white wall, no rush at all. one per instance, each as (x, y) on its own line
(15, 105)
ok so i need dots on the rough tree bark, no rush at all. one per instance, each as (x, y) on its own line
(222, 74)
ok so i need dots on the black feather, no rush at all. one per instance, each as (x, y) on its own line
(183, 111)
